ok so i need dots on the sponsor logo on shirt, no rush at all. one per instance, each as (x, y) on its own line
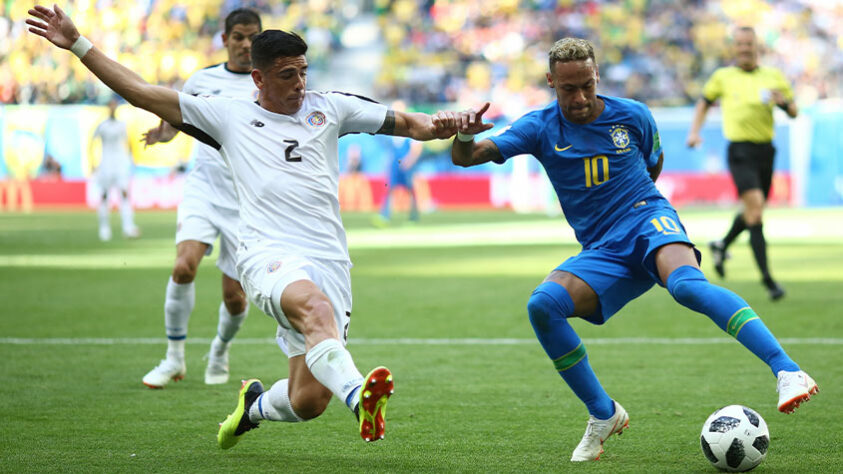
(316, 119)
(272, 267)
(256, 123)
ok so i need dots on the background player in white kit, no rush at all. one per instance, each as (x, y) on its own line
(208, 209)
(293, 258)
(114, 171)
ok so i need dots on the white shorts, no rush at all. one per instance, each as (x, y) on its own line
(265, 273)
(202, 221)
(106, 179)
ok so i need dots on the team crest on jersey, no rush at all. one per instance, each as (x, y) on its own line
(272, 267)
(620, 136)
(316, 119)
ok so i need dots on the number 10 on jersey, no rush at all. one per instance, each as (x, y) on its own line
(593, 166)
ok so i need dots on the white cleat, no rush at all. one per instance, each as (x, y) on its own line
(794, 388)
(217, 371)
(163, 373)
(591, 445)
(105, 234)
(131, 232)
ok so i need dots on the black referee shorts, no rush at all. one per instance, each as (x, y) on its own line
(751, 165)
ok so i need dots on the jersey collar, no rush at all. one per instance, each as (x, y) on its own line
(225, 65)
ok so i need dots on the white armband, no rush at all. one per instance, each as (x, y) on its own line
(465, 137)
(81, 46)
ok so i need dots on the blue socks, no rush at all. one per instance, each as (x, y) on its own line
(731, 313)
(549, 306)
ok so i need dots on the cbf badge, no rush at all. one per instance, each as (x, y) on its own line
(620, 136)
(316, 119)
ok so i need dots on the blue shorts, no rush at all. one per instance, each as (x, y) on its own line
(400, 177)
(621, 266)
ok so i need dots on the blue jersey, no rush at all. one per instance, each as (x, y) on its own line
(598, 170)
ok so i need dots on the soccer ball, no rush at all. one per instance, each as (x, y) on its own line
(735, 438)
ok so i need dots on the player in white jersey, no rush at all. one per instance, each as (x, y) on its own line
(208, 209)
(114, 171)
(292, 259)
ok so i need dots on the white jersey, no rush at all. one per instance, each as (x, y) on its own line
(115, 147)
(210, 177)
(285, 167)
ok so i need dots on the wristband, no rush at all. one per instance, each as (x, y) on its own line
(465, 137)
(81, 46)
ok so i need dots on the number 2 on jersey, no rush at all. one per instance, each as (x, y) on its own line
(288, 152)
(593, 166)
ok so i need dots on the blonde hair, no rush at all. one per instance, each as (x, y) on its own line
(571, 49)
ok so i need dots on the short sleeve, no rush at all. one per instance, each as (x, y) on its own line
(189, 86)
(98, 130)
(517, 139)
(358, 114)
(204, 118)
(651, 147)
(713, 89)
(783, 85)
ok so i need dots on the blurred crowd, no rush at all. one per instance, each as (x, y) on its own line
(437, 51)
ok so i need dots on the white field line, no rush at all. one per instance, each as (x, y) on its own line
(59, 341)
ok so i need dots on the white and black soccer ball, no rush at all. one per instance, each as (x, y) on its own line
(735, 438)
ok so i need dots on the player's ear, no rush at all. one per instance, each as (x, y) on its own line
(224, 39)
(549, 80)
(258, 78)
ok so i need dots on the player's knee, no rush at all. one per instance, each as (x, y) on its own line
(683, 283)
(184, 271)
(538, 308)
(234, 300)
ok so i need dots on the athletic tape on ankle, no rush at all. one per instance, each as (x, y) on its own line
(81, 46)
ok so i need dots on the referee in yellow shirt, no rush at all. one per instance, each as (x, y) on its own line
(747, 92)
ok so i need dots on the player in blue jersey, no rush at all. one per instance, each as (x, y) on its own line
(602, 155)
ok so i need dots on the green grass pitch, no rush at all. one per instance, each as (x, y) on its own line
(82, 322)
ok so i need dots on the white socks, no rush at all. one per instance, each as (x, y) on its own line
(227, 328)
(331, 364)
(274, 404)
(178, 304)
(128, 217)
(102, 214)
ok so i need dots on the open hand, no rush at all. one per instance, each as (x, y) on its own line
(152, 136)
(471, 120)
(448, 123)
(55, 26)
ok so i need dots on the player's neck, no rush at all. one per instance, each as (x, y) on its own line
(748, 67)
(231, 67)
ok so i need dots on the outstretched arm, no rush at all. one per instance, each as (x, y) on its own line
(57, 28)
(424, 127)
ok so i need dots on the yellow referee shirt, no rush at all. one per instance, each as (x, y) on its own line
(746, 101)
